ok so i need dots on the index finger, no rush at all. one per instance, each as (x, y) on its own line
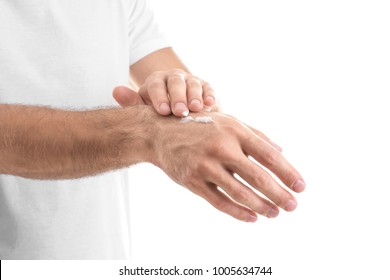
(156, 93)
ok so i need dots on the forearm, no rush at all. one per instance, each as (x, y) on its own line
(44, 143)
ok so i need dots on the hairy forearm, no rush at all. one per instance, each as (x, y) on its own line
(45, 143)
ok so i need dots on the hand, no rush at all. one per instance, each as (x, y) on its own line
(169, 92)
(205, 157)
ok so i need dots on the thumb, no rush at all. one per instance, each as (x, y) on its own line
(125, 96)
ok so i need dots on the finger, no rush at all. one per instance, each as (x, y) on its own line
(178, 93)
(261, 180)
(208, 95)
(263, 136)
(223, 203)
(194, 94)
(155, 90)
(127, 97)
(260, 134)
(272, 159)
(242, 194)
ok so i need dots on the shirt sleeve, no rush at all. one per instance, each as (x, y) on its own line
(143, 32)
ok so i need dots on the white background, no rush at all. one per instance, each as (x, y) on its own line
(313, 76)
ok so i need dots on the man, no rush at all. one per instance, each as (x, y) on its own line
(63, 146)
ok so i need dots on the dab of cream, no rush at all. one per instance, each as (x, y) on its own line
(197, 119)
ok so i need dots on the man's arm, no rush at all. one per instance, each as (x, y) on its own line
(44, 143)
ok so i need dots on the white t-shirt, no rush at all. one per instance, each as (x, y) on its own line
(69, 54)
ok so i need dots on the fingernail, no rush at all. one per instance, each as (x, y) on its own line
(195, 103)
(272, 213)
(291, 205)
(164, 108)
(209, 100)
(252, 218)
(181, 107)
(298, 186)
(277, 146)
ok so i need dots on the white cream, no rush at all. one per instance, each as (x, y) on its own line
(197, 119)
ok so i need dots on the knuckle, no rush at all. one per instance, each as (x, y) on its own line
(238, 162)
(222, 206)
(193, 172)
(207, 86)
(241, 196)
(282, 199)
(263, 209)
(155, 84)
(279, 197)
(261, 179)
(153, 77)
(187, 178)
(193, 84)
(175, 80)
(198, 169)
(218, 149)
(233, 130)
(204, 167)
(230, 126)
(175, 76)
(177, 71)
(208, 90)
(271, 157)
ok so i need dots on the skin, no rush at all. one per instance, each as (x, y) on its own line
(44, 143)
(34, 145)
(213, 163)
(166, 83)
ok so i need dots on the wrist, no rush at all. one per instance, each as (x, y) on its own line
(139, 127)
